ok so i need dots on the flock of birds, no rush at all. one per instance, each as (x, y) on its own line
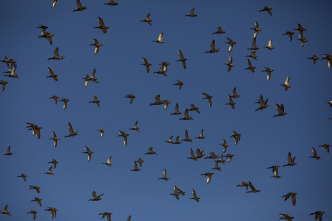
(194, 155)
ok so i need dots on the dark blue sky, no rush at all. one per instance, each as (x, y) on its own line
(265, 140)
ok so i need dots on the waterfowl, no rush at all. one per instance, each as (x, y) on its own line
(291, 160)
(221, 159)
(179, 83)
(12, 71)
(230, 157)
(52, 75)
(209, 98)
(164, 176)
(34, 213)
(199, 153)
(53, 211)
(195, 197)
(292, 196)
(177, 112)
(6, 60)
(256, 29)
(37, 188)
(201, 136)
(231, 103)
(97, 45)
(108, 162)
(269, 72)
(35, 129)
(23, 176)
(102, 26)
(303, 41)
(213, 48)
(236, 136)
(269, 46)
(55, 139)
(266, 9)
(286, 84)
(182, 59)
(169, 140)
(194, 108)
(274, 170)
(163, 69)
(250, 67)
(212, 156)
(147, 65)
(65, 102)
(140, 161)
(318, 215)
(101, 132)
(8, 153)
(262, 103)
(92, 78)
(160, 38)
(286, 217)
(135, 167)
(244, 184)
(111, 3)
(45, 34)
(179, 191)
(230, 63)
(124, 135)
(79, 6)
(225, 145)
(192, 13)
(314, 154)
(186, 115)
(187, 136)
(192, 155)
(219, 31)
(166, 103)
(235, 95)
(290, 35)
(131, 96)
(326, 146)
(96, 197)
(231, 43)
(5, 211)
(3, 84)
(216, 166)
(147, 19)
(314, 58)
(158, 101)
(106, 214)
(49, 172)
(95, 101)
(253, 189)
(280, 109)
(56, 55)
(253, 45)
(175, 193)
(300, 29)
(55, 98)
(328, 58)
(71, 131)
(209, 176)
(150, 152)
(177, 140)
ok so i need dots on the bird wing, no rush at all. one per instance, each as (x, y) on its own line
(93, 73)
(78, 3)
(101, 22)
(70, 128)
(192, 11)
(109, 160)
(164, 173)
(270, 43)
(176, 107)
(160, 36)
(147, 17)
(314, 152)
(56, 52)
(94, 195)
(279, 109)
(287, 80)
(51, 72)
(249, 63)
(293, 199)
(213, 45)
(157, 98)
(181, 55)
(135, 165)
(186, 135)
(234, 92)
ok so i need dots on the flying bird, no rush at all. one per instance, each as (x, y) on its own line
(253, 45)
(107, 215)
(8, 153)
(328, 58)
(192, 13)
(102, 26)
(160, 38)
(300, 29)
(253, 189)
(54, 162)
(194, 108)
(164, 176)
(314, 154)
(225, 145)
(49, 172)
(101, 132)
(3, 85)
(318, 215)
(290, 35)
(135, 167)
(274, 170)
(262, 103)
(131, 96)
(250, 67)
(53, 211)
(314, 58)
(182, 59)
(177, 112)
(235, 95)
(219, 31)
(52, 75)
(71, 131)
(269, 72)
(292, 196)
(252, 55)
(209, 176)
(179, 83)
(147, 65)
(56, 55)
(236, 136)
(291, 160)
(95, 101)
(96, 197)
(231, 103)
(195, 197)
(280, 109)
(79, 6)
(209, 98)
(213, 48)
(286, 84)
(286, 217)
(256, 29)
(269, 46)
(23, 176)
(201, 136)
(65, 102)
(187, 137)
(244, 184)
(150, 152)
(111, 3)
(266, 9)
(38, 200)
(230, 63)
(5, 211)
(326, 147)
(55, 139)
(34, 213)
(37, 188)
(108, 162)
(124, 135)
(147, 19)
(231, 44)
(97, 45)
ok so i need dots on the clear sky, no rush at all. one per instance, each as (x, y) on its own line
(265, 140)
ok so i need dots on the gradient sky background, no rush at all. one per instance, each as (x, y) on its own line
(265, 141)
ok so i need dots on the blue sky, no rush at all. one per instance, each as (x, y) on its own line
(265, 140)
